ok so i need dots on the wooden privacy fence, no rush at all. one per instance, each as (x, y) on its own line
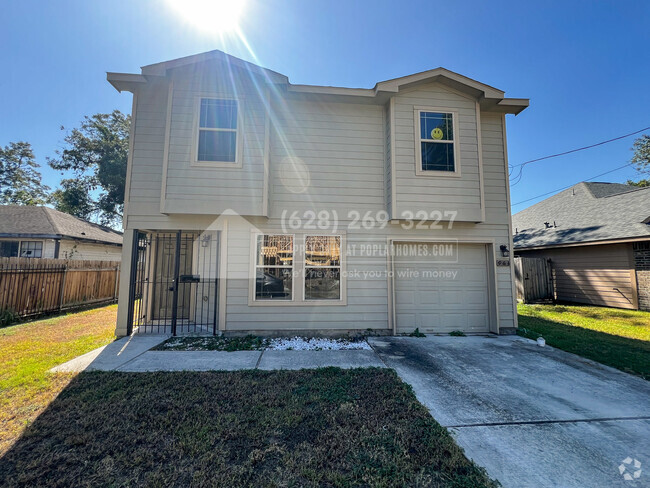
(35, 286)
(534, 279)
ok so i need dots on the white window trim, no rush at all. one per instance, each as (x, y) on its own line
(297, 299)
(23, 241)
(323, 301)
(194, 158)
(418, 151)
(252, 299)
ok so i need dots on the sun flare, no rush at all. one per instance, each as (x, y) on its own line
(217, 16)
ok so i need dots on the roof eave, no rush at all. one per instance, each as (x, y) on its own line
(23, 235)
(126, 81)
(505, 105)
(622, 240)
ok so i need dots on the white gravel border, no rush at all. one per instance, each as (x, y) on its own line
(290, 344)
(316, 344)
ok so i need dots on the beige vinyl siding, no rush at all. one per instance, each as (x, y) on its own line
(439, 192)
(367, 286)
(590, 274)
(345, 150)
(84, 250)
(495, 177)
(144, 186)
(327, 156)
(495, 181)
(213, 188)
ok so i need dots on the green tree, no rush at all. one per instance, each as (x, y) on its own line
(641, 158)
(96, 152)
(20, 180)
(74, 198)
(641, 183)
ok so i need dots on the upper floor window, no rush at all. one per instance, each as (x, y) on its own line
(437, 149)
(217, 130)
(31, 249)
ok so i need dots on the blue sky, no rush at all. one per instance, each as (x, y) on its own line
(583, 64)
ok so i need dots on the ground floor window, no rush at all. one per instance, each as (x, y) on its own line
(322, 268)
(9, 249)
(31, 249)
(274, 266)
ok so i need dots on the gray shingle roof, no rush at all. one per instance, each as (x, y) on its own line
(34, 220)
(586, 212)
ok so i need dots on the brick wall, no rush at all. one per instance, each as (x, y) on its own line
(642, 265)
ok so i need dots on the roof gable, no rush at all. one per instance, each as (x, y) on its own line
(490, 98)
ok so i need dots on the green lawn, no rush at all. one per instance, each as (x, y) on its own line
(29, 350)
(615, 337)
(327, 427)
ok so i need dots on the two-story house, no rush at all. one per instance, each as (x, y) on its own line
(256, 205)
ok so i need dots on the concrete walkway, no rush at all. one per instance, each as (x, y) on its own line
(532, 416)
(133, 354)
(113, 355)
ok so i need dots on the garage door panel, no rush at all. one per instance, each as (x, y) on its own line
(405, 297)
(471, 254)
(452, 297)
(454, 321)
(475, 297)
(408, 320)
(477, 321)
(472, 275)
(428, 322)
(429, 300)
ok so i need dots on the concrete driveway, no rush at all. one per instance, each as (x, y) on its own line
(532, 416)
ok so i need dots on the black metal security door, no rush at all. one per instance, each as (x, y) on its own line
(174, 282)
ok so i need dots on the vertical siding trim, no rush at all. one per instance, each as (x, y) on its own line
(390, 277)
(267, 155)
(168, 130)
(129, 164)
(223, 275)
(509, 209)
(495, 318)
(393, 176)
(480, 161)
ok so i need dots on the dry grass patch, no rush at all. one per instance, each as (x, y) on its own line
(29, 350)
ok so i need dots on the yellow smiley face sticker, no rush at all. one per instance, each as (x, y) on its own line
(436, 133)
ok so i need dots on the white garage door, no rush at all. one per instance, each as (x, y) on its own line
(439, 297)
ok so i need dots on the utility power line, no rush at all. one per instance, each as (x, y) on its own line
(521, 165)
(569, 186)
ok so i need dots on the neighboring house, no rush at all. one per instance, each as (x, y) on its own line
(597, 236)
(30, 231)
(257, 205)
